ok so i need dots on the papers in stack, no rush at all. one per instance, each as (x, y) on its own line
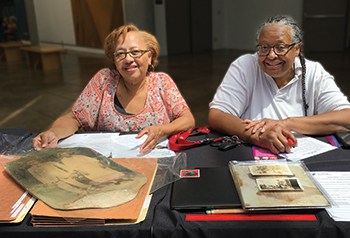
(15, 201)
(307, 147)
(116, 145)
(337, 185)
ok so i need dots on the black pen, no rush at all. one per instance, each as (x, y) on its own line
(128, 132)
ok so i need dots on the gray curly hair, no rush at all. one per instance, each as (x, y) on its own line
(297, 34)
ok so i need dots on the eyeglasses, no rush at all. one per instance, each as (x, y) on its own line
(279, 49)
(133, 53)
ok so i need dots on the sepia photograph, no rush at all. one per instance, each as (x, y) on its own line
(270, 170)
(278, 184)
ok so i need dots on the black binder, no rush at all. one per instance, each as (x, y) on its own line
(213, 189)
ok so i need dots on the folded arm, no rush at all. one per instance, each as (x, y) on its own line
(275, 138)
(322, 124)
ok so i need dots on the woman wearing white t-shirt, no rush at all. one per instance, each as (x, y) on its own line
(267, 95)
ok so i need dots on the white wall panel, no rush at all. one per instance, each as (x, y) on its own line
(55, 21)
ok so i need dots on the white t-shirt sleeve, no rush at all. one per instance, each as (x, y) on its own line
(328, 96)
(233, 94)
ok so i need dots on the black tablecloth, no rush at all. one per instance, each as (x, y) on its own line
(170, 223)
(161, 221)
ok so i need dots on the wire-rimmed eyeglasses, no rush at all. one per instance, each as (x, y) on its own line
(279, 49)
(136, 53)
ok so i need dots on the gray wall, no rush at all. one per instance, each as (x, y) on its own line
(139, 12)
(234, 22)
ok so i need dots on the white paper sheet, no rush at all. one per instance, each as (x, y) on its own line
(337, 187)
(307, 147)
(116, 145)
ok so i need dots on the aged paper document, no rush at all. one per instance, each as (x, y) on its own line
(131, 212)
(75, 178)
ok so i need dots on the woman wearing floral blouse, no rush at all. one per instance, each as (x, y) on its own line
(130, 97)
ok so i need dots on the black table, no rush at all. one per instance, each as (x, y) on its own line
(161, 221)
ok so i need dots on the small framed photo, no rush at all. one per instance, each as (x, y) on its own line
(278, 184)
(190, 173)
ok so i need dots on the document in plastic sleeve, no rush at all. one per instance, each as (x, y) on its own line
(337, 186)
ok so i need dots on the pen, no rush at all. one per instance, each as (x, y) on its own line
(225, 211)
(290, 142)
(128, 133)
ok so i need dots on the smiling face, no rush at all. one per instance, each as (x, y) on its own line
(280, 68)
(133, 70)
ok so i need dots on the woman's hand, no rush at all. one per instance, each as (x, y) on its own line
(271, 134)
(64, 126)
(261, 125)
(154, 135)
(46, 139)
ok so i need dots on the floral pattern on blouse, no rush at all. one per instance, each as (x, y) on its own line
(95, 110)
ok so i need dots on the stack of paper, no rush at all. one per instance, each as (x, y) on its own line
(15, 201)
(307, 147)
(116, 145)
(337, 186)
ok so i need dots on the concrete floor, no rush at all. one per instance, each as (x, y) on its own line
(32, 99)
